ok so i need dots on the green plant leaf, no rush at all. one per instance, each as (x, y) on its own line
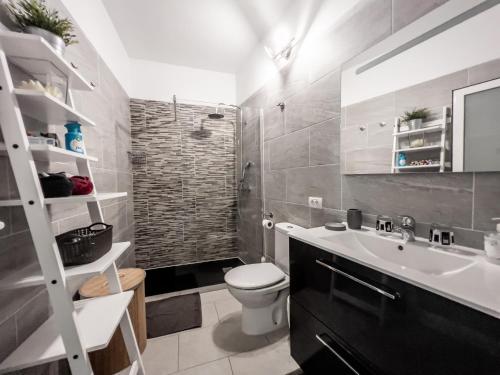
(35, 13)
(415, 114)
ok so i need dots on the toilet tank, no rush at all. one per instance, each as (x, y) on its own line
(281, 255)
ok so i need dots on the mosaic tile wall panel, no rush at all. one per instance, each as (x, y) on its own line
(184, 184)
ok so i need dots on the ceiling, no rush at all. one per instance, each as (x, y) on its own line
(206, 34)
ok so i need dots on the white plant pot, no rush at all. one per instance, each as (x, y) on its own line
(415, 124)
(54, 40)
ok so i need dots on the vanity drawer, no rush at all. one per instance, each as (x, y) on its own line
(398, 327)
(315, 348)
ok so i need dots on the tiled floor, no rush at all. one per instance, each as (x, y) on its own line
(219, 347)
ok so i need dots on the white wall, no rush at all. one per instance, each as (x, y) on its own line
(147, 79)
(255, 72)
(307, 20)
(158, 81)
(93, 19)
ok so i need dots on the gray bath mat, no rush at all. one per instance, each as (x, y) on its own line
(173, 314)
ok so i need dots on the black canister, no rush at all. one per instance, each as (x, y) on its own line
(354, 218)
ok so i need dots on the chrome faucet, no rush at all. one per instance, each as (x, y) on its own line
(406, 227)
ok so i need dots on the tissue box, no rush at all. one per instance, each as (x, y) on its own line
(41, 141)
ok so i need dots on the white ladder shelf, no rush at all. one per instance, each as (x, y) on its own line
(437, 126)
(76, 328)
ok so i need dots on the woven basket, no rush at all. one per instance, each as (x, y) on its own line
(85, 245)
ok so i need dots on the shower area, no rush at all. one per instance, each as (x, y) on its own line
(184, 183)
(197, 190)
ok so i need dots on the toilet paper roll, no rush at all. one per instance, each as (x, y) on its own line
(268, 224)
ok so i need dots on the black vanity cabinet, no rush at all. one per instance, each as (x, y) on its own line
(350, 319)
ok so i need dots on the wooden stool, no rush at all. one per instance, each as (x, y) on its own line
(114, 357)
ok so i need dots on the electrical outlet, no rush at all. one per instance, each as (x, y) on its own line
(315, 202)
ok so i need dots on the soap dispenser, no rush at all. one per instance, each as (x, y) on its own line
(492, 242)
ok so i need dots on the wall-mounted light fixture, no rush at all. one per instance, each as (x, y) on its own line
(284, 54)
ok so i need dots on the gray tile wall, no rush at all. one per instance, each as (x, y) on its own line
(301, 145)
(23, 310)
(184, 187)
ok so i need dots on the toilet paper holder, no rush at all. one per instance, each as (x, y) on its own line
(267, 215)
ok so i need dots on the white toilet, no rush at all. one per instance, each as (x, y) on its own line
(263, 288)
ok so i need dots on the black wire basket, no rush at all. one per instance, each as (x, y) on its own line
(85, 245)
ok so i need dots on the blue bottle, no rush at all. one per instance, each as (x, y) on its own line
(402, 159)
(74, 138)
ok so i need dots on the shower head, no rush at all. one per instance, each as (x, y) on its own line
(215, 116)
(219, 113)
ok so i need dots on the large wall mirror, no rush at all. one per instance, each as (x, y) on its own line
(427, 99)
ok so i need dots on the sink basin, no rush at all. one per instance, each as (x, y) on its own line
(412, 255)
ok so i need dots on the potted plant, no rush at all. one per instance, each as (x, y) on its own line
(415, 117)
(33, 17)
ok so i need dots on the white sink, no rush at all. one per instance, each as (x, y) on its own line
(411, 255)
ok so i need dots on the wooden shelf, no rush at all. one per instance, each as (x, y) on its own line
(52, 154)
(34, 55)
(70, 199)
(97, 320)
(30, 276)
(44, 107)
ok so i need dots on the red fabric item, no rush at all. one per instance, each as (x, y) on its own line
(82, 185)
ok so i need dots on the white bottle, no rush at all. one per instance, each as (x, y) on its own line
(492, 242)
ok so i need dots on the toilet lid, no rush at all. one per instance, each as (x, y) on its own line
(254, 276)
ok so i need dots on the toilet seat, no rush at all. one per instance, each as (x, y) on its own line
(254, 276)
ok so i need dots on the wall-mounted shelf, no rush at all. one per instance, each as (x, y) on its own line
(46, 108)
(429, 129)
(71, 199)
(423, 148)
(96, 319)
(31, 276)
(52, 154)
(429, 166)
(34, 55)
